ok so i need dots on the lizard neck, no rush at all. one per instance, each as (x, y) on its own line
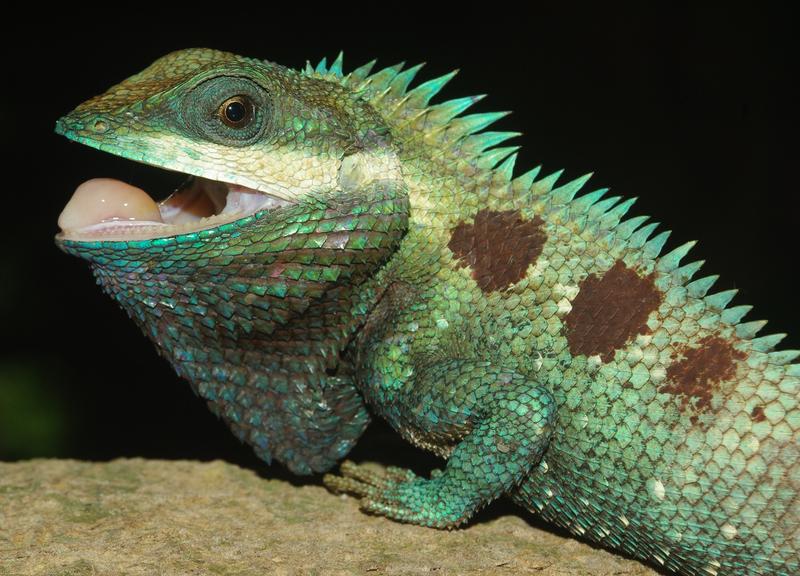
(255, 318)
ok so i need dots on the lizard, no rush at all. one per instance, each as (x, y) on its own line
(343, 247)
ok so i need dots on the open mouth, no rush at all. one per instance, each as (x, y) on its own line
(108, 209)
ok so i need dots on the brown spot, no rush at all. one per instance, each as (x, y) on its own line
(610, 310)
(757, 414)
(700, 369)
(498, 247)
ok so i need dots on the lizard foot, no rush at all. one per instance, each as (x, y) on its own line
(399, 494)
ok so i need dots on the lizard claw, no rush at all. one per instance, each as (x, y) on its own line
(364, 482)
(395, 493)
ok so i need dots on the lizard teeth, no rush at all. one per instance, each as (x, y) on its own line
(108, 209)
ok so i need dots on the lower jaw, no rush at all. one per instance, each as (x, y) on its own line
(115, 211)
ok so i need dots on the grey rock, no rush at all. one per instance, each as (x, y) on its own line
(132, 517)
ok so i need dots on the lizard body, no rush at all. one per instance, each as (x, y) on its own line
(391, 263)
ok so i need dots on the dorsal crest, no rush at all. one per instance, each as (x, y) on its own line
(445, 126)
(410, 112)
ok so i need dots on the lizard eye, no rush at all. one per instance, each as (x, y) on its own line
(237, 112)
(227, 110)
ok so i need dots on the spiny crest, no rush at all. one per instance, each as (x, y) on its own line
(562, 205)
(442, 125)
(322, 69)
(673, 273)
(635, 234)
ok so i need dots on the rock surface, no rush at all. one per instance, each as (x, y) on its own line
(131, 517)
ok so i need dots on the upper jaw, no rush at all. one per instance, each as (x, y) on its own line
(105, 209)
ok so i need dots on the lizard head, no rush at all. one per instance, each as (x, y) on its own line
(250, 135)
(251, 277)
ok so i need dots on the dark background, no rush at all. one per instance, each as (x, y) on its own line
(685, 108)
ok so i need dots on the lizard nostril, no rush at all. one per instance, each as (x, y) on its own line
(100, 126)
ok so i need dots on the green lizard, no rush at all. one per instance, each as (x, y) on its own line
(343, 246)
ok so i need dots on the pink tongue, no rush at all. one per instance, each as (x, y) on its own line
(104, 200)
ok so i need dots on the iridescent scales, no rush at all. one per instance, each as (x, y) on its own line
(528, 333)
(641, 408)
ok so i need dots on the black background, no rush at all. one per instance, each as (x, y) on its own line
(686, 108)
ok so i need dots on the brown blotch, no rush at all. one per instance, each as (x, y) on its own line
(699, 369)
(498, 247)
(757, 414)
(610, 310)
